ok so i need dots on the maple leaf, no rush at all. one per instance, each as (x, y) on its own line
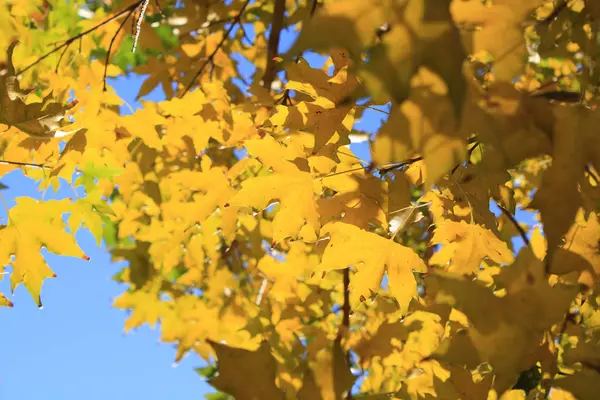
(32, 225)
(246, 374)
(170, 186)
(296, 193)
(580, 252)
(500, 19)
(403, 343)
(373, 255)
(518, 319)
(359, 200)
(425, 124)
(328, 376)
(40, 120)
(147, 308)
(465, 246)
(395, 38)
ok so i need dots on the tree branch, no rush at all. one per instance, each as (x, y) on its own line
(273, 45)
(591, 173)
(24, 164)
(345, 327)
(112, 41)
(512, 219)
(129, 10)
(211, 57)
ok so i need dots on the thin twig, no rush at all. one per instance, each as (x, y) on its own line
(273, 45)
(558, 8)
(138, 24)
(313, 7)
(591, 173)
(210, 58)
(399, 165)
(112, 41)
(60, 58)
(24, 164)
(345, 327)
(469, 153)
(261, 291)
(82, 34)
(514, 221)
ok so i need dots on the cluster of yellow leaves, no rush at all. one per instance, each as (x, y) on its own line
(254, 234)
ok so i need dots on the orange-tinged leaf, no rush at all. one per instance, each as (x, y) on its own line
(4, 302)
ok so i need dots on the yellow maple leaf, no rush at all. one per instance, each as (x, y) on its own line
(34, 224)
(296, 193)
(246, 374)
(517, 320)
(500, 19)
(465, 246)
(373, 256)
(558, 197)
(328, 376)
(426, 124)
(580, 252)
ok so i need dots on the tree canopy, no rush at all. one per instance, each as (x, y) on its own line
(254, 234)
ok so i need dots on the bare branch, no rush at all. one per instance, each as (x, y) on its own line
(345, 326)
(273, 45)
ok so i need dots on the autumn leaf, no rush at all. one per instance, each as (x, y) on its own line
(244, 176)
(424, 124)
(33, 225)
(328, 376)
(40, 120)
(395, 39)
(296, 194)
(580, 252)
(558, 197)
(518, 319)
(465, 246)
(497, 20)
(373, 256)
(245, 374)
